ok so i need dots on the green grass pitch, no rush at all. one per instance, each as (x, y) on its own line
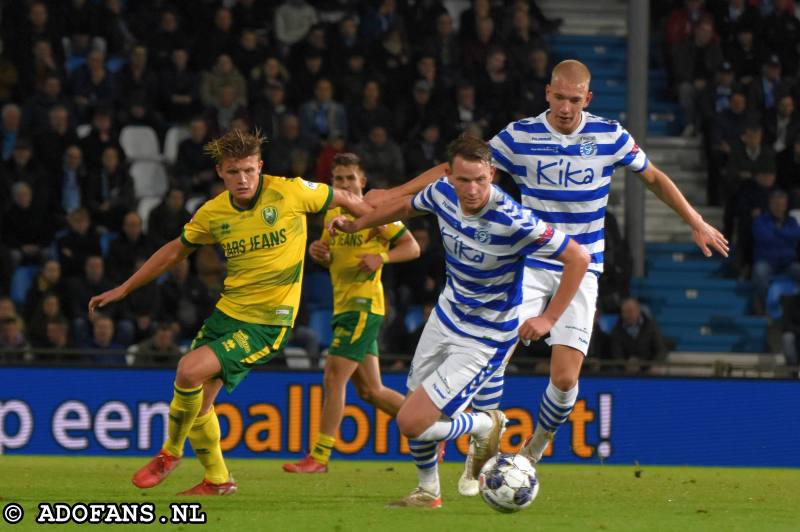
(352, 497)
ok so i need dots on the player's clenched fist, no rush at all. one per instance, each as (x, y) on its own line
(534, 328)
(342, 223)
(320, 251)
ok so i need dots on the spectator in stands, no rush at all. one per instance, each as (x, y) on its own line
(270, 70)
(381, 158)
(776, 236)
(225, 110)
(522, 39)
(744, 53)
(57, 338)
(102, 345)
(390, 60)
(369, 112)
(599, 345)
(80, 290)
(158, 350)
(168, 38)
(419, 281)
(69, 189)
(51, 144)
(636, 338)
(314, 43)
(410, 115)
(114, 29)
(293, 20)
(25, 230)
(347, 38)
(137, 78)
(323, 117)
(717, 97)
(39, 67)
(446, 48)
(289, 140)
(695, 60)
(179, 86)
(77, 244)
(781, 33)
(352, 78)
(194, 169)
(110, 191)
(726, 131)
(304, 80)
(269, 107)
(767, 88)
(48, 281)
(129, 246)
(48, 309)
(14, 347)
(168, 219)
(223, 74)
(36, 110)
(324, 162)
(221, 39)
(781, 125)
(142, 308)
(682, 21)
(91, 85)
(788, 164)
(614, 283)
(426, 151)
(137, 113)
(9, 76)
(750, 201)
(10, 129)
(535, 75)
(746, 160)
(101, 136)
(185, 300)
(465, 111)
(248, 52)
(476, 49)
(497, 88)
(732, 14)
(22, 167)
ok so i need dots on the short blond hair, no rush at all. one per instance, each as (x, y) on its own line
(235, 144)
(572, 70)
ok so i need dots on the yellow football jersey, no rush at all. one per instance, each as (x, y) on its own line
(353, 289)
(264, 246)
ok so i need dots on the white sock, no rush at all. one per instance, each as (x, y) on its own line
(476, 423)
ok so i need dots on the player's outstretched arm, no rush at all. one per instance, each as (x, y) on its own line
(386, 213)
(704, 234)
(159, 262)
(378, 196)
(349, 201)
(576, 262)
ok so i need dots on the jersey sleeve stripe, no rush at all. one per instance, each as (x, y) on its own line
(536, 127)
(600, 127)
(185, 241)
(560, 249)
(328, 200)
(589, 238)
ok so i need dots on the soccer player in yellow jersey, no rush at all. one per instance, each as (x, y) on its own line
(260, 224)
(355, 262)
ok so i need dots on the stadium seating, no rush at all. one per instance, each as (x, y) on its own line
(149, 179)
(140, 143)
(21, 281)
(694, 305)
(146, 205)
(778, 289)
(175, 135)
(320, 322)
(317, 291)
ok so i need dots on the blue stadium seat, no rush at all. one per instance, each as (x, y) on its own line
(21, 281)
(413, 318)
(777, 289)
(320, 322)
(607, 322)
(105, 241)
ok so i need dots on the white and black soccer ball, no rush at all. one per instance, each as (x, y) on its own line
(508, 482)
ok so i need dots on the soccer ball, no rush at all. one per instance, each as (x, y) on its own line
(508, 482)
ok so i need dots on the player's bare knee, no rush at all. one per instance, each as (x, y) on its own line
(367, 393)
(409, 424)
(564, 381)
(187, 376)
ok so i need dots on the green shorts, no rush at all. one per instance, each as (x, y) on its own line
(239, 345)
(355, 334)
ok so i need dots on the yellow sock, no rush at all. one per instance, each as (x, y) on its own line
(204, 438)
(322, 449)
(183, 409)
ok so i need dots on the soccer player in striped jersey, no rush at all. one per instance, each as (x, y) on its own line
(474, 327)
(355, 263)
(260, 224)
(562, 162)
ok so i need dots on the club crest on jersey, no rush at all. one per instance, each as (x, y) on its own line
(482, 236)
(269, 215)
(588, 146)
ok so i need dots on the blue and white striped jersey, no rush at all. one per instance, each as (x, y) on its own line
(484, 260)
(565, 179)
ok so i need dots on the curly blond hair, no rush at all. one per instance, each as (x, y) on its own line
(235, 144)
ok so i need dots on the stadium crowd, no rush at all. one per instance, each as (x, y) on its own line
(390, 80)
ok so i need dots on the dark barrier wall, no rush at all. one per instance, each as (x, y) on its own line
(653, 421)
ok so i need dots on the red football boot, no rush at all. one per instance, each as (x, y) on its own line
(306, 465)
(156, 470)
(207, 488)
